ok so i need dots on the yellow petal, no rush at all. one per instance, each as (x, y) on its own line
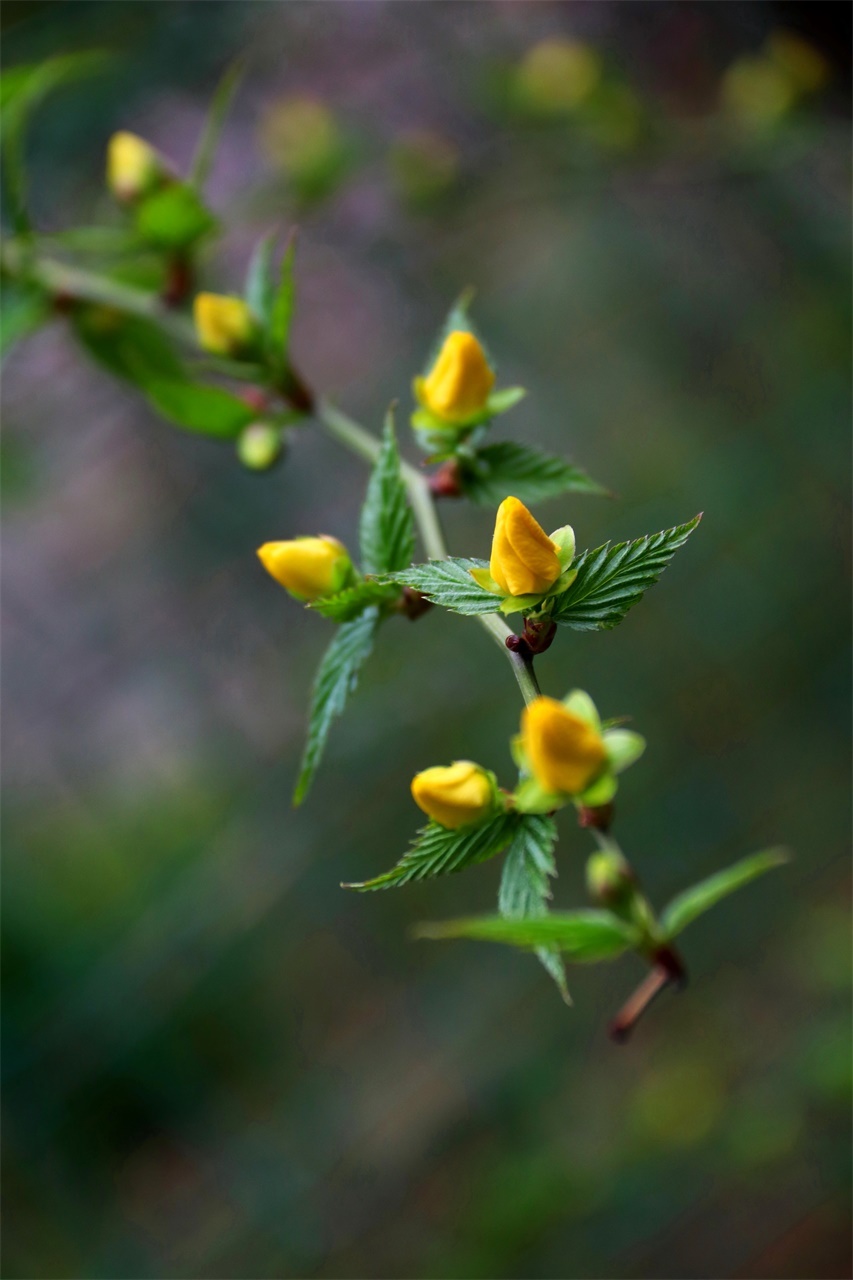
(454, 795)
(565, 752)
(524, 560)
(459, 382)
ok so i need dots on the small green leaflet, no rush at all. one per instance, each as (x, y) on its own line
(584, 937)
(611, 579)
(529, 475)
(213, 125)
(684, 908)
(352, 601)
(449, 583)
(259, 290)
(281, 313)
(437, 851)
(336, 679)
(524, 889)
(387, 527)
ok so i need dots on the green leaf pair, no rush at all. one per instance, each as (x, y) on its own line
(590, 936)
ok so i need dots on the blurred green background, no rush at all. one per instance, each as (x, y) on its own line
(219, 1064)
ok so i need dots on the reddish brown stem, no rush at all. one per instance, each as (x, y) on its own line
(668, 970)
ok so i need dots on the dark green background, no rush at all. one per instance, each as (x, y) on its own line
(218, 1063)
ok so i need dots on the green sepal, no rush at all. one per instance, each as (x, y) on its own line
(581, 705)
(531, 797)
(484, 579)
(519, 604)
(599, 792)
(564, 537)
(623, 747)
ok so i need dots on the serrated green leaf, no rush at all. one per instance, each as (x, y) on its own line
(348, 604)
(611, 579)
(259, 290)
(173, 218)
(584, 937)
(281, 313)
(449, 583)
(336, 679)
(529, 475)
(209, 411)
(438, 851)
(684, 908)
(524, 889)
(213, 125)
(387, 526)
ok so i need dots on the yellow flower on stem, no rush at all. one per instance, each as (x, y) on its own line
(458, 385)
(134, 168)
(225, 326)
(308, 568)
(455, 795)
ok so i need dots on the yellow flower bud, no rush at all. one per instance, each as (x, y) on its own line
(134, 168)
(307, 567)
(224, 325)
(524, 559)
(455, 795)
(557, 75)
(458, 385)
(565, 752)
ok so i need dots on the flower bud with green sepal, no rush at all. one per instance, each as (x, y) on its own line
(226, 326)
(456, 392)
(527, 566)
(308, 568)
(458, 795)
(134, 168)
(565, 755)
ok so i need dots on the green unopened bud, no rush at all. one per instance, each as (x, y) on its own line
(260, 445)
(609, 879)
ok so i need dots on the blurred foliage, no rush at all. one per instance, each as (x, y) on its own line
(217, 1063)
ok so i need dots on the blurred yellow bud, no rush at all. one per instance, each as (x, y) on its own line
(455, 795)
(224, 325)
(524, 559)
(458, 385)
(307, 567)
(424, 166)
(556, 75)
(805, 67)
(757, 91)
(565, 752)
(134, 168)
